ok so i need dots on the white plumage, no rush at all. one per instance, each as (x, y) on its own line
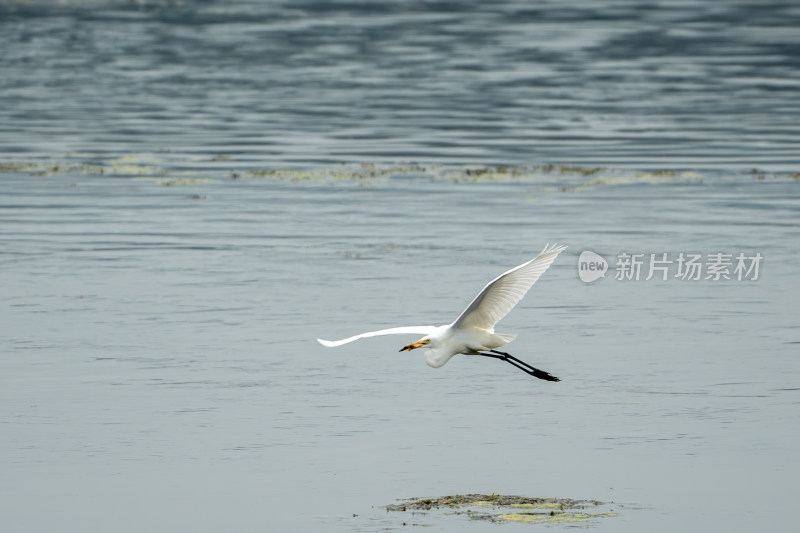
(420, 330)
(472, 333)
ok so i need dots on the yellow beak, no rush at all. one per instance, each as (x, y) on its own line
(414, 345)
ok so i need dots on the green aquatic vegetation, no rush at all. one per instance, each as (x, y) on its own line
(581, 171)
(167, 169)
(17, 167)
(177, 182)
(551, 518)
(495, 500)
(611, 180)
(786, 175)
(48, 169)
(504, 508)
(480, 173)
(324, 174)
(132, 165)
(119, 167)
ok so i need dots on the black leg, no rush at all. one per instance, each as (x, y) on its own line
(522, 365)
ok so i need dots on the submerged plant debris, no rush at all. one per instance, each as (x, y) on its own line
(502, 508)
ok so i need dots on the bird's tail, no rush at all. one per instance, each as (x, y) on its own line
(502, 339)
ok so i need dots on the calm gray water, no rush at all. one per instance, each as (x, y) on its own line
(620, 83)
(192, 192)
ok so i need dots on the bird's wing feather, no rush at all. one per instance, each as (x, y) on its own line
(504, 292)
(422, 330)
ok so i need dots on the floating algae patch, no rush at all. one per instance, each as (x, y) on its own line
(118, 167)
(565, 517)
(373, 172)
(501, 508)
(132, 165)
(18, 167)
(317, 174)
(547, 178)
(365, 173)
(541, 181)
(183, 182)
(479, 173)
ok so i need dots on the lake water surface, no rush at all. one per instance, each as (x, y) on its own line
(192, 192)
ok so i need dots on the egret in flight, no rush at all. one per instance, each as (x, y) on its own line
(472, 333)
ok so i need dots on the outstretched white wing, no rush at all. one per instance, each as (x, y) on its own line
(504, 292)
(421, 330)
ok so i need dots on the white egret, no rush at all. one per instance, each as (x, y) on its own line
(472, 333)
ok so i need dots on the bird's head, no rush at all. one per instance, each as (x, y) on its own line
(424, 341)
